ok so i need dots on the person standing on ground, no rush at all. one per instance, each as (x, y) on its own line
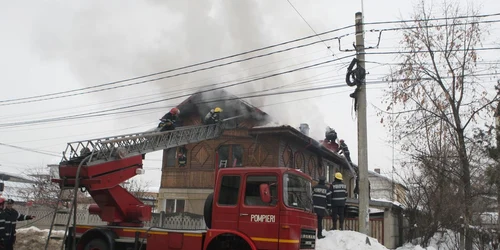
(3, 216)
(321, 203)
(11, 219)
(339, 196)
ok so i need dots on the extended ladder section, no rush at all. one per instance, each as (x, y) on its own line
(62, 215)
(109, 149)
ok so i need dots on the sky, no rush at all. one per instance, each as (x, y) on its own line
(57, 46)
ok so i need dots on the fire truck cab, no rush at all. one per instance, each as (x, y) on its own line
(250, 208)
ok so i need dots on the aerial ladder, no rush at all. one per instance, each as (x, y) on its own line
(98, 166)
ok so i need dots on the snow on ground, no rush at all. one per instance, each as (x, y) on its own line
(351, 240)
(34, 238)
(347, 240)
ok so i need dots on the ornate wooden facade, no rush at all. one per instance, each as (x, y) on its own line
(192, 167)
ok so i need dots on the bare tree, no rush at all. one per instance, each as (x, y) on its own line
(42, 191)
(438, 89)
(138, 188)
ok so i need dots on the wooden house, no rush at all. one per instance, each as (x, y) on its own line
(186, 182)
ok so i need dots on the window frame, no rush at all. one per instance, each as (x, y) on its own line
(276, 198)
(175, 205)
(219, 188)
(230, 154)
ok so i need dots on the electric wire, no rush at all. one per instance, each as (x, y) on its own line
(196, 64)
(328, 47)
(189, 94)
(246, 52)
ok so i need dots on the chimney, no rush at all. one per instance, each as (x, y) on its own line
(304, 128)
(377, 170)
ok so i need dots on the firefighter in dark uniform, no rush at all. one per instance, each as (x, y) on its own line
(339, 197)
(345, 150)
(321, 203)
(3, 216)
(11, 219)
(167, 122)
(182, 159)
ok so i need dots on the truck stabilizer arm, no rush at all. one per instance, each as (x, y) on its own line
(114, 204)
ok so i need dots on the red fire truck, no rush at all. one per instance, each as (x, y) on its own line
(250, 208)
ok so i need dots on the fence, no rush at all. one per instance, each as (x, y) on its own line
(186, 221)
(43, 218)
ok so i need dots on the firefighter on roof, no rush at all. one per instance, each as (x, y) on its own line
(339, 197)
(330, 135)
(345, 150)
(213, 116)
(11, 219)
(169, 119)
(321, 203)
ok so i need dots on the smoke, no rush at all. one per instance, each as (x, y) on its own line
(105, 41)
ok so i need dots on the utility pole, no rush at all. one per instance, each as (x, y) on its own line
(364, 226)
(497, 134)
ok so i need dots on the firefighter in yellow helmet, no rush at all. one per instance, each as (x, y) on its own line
(339, 196)
(213, 116)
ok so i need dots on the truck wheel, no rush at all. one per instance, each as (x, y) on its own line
(207, 210)
(96, 244)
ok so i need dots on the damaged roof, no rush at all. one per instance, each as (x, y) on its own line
(202, 102)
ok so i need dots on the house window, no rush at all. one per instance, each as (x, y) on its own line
(232, 155)
(169, 158)
(252, 190)
(229, 190)
(182, 156)
(175, 206)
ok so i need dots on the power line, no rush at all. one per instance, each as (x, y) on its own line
(429, 51)
(328, 47)
(192, 65)
(19, 100)
(432, 19)
(186, 95)
(169, 93)
(170, 76)
(30, 150)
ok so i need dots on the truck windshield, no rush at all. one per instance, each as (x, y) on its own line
(297, 192)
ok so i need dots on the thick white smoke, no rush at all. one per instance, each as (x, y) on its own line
(112, 40)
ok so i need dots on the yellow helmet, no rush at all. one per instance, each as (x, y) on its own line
(217, 110)
(338, 175)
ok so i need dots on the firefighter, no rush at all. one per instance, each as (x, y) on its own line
(213, 116)
(168, 120)
(321, 203)
(345, 150)
(182, 159)
(2, 223)
(11, 219)
(330, 135)
(339, 196)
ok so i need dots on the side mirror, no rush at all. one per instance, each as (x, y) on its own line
(265, 194)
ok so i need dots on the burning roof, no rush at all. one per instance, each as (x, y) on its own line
(202, 102)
